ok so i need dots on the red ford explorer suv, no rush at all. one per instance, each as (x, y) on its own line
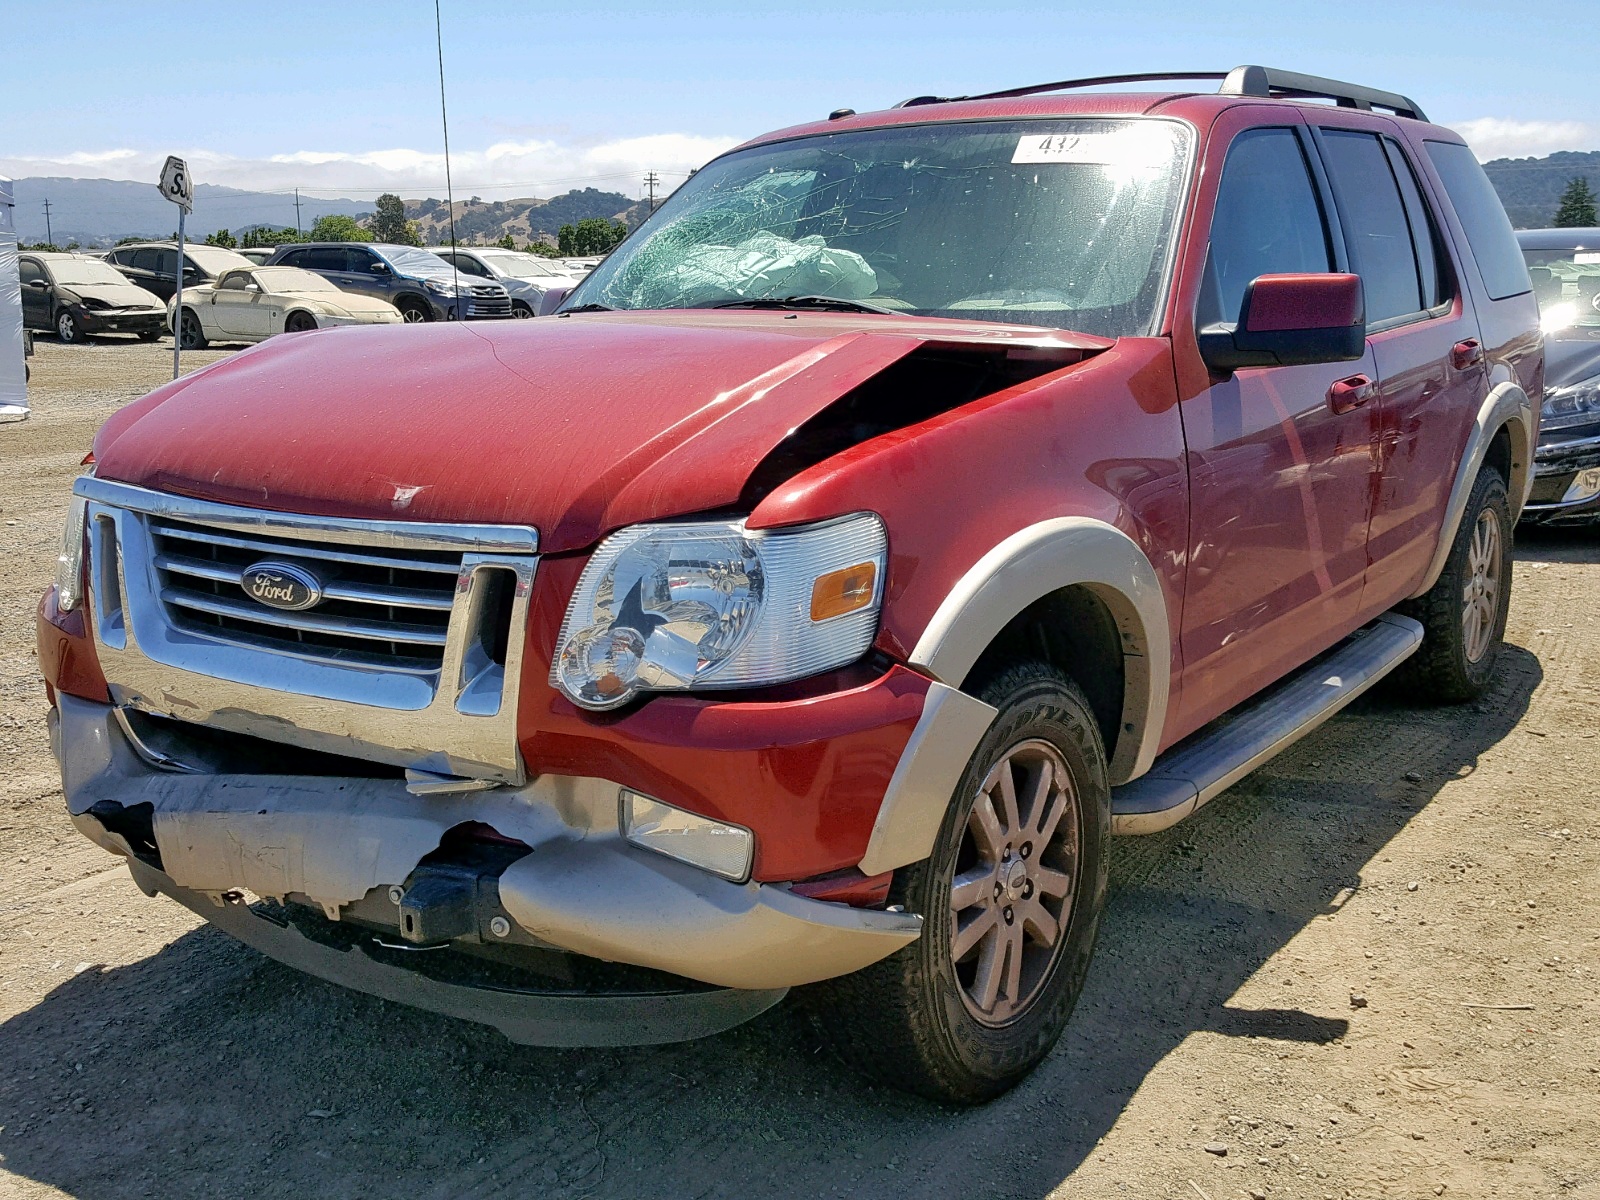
(917, 499)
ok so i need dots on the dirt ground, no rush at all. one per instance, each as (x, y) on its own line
(1369, 970)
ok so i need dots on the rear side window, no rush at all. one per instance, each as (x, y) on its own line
(1483, 217)
(1268, 221)
(1431, 258)
(1375, 226)
(324, 258)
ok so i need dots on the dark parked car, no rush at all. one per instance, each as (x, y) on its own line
(76, 295)
(419, 283)
(1565, 266)
(150, 265)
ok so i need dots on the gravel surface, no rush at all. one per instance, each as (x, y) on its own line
(1368, 970)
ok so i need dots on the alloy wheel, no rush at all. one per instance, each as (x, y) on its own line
(1480, 595)
(1015, 881)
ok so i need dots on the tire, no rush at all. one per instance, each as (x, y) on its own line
(1463, 615)
(299, 322)
(521, 311)
(150, 335)
(67, 328)
(414, 311)
(191, 334)
(923, 1020)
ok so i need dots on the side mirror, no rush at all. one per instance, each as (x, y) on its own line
(1288, 321)
(379, 268)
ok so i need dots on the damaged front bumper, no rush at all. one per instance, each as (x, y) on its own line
(352, 848)
(1566, 481)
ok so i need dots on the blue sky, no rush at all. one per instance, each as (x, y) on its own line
(341, 97)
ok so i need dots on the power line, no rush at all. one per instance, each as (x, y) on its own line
(651, 179)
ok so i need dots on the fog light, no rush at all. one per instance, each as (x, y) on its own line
(1585, 485)
(725, 850)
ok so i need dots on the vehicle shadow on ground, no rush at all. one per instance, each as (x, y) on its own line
(207, 1070)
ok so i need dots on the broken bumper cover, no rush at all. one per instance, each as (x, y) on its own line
(534, 1018)
(1566, 483)
(332, 840)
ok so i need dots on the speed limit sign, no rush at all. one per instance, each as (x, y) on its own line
(175, 183)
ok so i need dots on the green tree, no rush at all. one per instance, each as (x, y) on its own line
(592, 235)
(222, 238)
(1577, 206)
(266, 235)
(335, 228)
(506, 243)
(389, 223)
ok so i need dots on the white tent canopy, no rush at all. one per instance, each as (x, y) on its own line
(13, 382)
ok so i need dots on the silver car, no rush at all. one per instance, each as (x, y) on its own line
(537, 285)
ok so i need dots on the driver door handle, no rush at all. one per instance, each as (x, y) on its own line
(1351, 393)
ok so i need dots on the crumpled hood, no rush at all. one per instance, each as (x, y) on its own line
(574, 425)
(117, 295)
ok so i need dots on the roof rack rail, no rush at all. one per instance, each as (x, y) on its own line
(1241, 81)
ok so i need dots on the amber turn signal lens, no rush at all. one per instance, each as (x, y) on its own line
(843, 591)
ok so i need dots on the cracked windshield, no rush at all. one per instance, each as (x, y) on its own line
(1065, 223)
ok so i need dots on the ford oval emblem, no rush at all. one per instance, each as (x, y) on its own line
(281, 585)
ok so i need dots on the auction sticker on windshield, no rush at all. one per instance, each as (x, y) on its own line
(1097, 149)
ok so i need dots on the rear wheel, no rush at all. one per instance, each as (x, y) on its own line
(1011, 900)
(191, 335)
(414, 311)
(1464, 614)
(299, 322)
(67, 327)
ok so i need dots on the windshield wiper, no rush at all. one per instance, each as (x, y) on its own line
(589, 308)
(821, 303)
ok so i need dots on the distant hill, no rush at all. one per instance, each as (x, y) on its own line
(1530, 188)
(96, 212)
(526, 219)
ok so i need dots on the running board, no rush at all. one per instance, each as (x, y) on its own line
(1214, 759)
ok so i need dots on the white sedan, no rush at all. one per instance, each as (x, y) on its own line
(252, 305)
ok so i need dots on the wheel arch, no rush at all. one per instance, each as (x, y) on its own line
(1503, 436)
(1024, 586)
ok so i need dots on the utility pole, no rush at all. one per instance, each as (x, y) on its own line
(651, 180)
(297, 232)
(47, 235)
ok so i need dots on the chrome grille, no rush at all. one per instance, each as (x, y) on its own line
(380, 607)
(488, 301)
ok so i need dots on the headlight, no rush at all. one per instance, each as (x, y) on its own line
(713, 605)
(1575, 404)
(69, 563)
(439, 287)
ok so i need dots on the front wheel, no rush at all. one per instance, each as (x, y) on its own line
(1011, 900)
(67, 328)
(415, 312)
(191, 334)
(1464, 614)
(521, 311)
(299, 322)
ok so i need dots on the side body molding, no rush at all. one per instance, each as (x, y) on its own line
(1506, 405)
(1039, 560)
